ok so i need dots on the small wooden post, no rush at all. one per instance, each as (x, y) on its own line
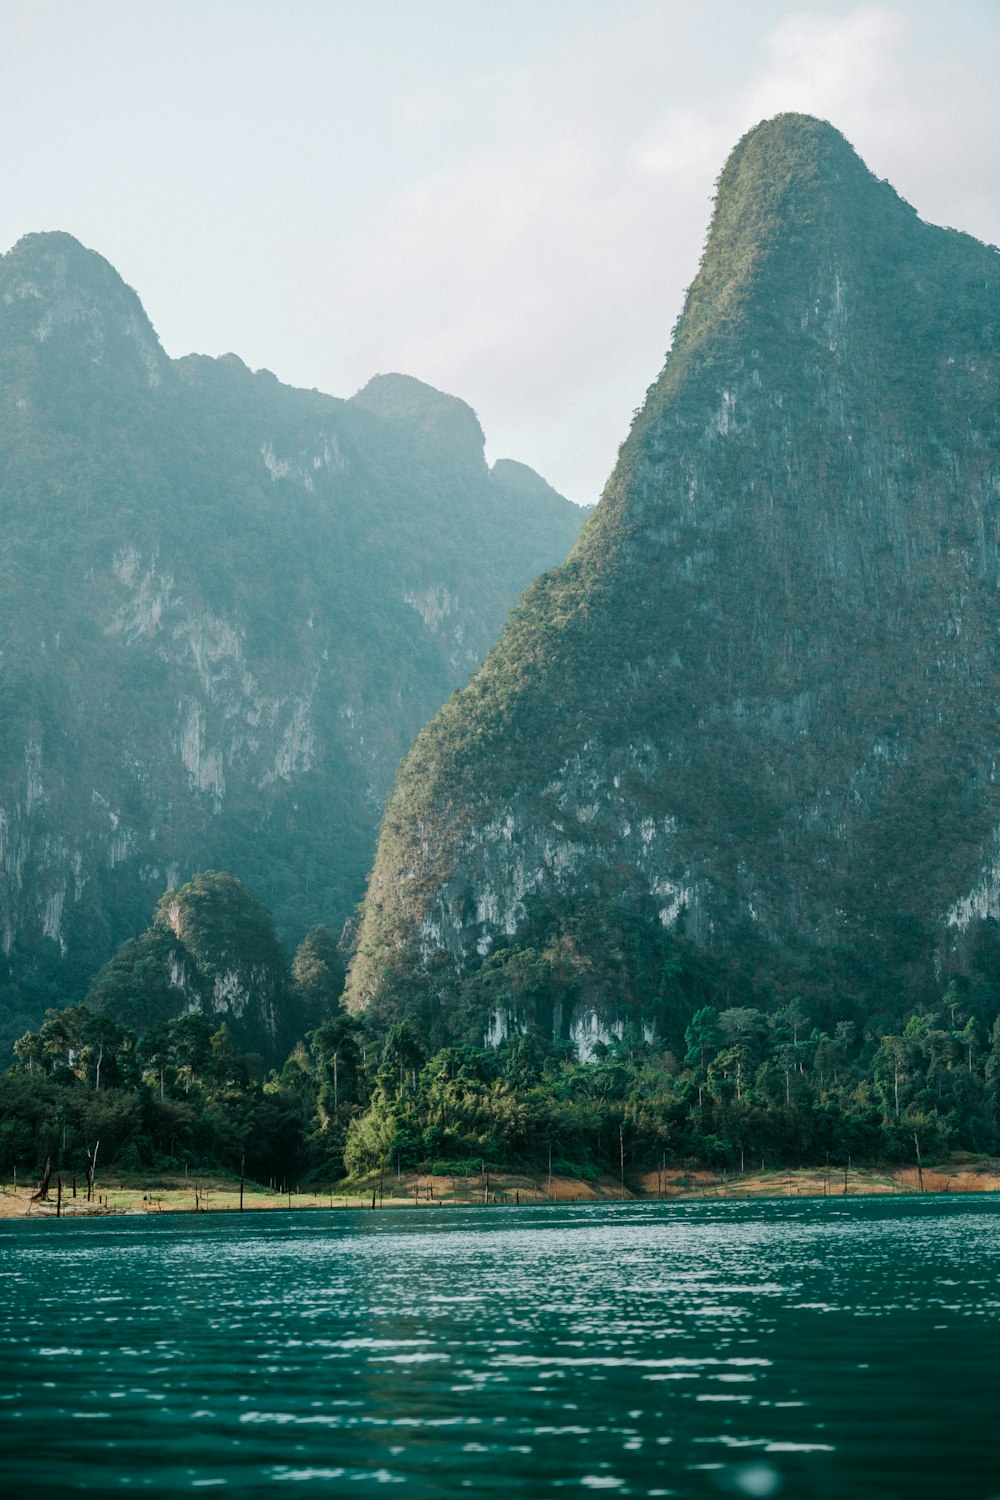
(242, 1165)
(58, 1197)
(920, 1169)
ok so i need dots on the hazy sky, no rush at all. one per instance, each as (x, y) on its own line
(505, 198)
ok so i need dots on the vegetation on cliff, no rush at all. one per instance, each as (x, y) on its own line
(698, 869)
(741, 1088)
(227, 607)
(753, 708)
(159, 1072)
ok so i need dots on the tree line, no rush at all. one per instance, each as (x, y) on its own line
(744, 1088)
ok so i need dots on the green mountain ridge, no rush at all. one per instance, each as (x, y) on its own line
(752, 714)
(227, 607)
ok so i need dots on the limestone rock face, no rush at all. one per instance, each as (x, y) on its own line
(757, 708)
(227, 607)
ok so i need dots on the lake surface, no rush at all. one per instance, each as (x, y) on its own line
(800, 1347)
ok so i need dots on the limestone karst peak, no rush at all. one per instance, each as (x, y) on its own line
(521, 479)
(55, 294)
(733, 715)
(435, 416)
(811, 264)
(799, 170)
(793, 199)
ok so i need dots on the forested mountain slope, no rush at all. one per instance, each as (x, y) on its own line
(754, 718)
(226, 607)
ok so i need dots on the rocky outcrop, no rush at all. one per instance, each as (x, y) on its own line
(757, 705)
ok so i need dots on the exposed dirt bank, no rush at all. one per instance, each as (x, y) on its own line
(172, 1193)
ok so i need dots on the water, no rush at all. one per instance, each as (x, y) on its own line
(794, 1348)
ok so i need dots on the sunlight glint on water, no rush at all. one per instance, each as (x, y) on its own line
(810, 1347)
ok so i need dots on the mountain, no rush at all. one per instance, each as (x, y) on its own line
(227, 607)
(749, 732)
(211, 950)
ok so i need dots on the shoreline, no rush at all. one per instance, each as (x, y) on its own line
(214, 1192)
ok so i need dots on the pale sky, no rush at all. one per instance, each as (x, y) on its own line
(504, 198)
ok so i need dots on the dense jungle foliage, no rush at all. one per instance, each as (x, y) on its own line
(722, 1084)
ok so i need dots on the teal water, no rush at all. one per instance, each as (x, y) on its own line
(820, 1347)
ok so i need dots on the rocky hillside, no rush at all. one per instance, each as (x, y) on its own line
(212, 951)
(755, 714)
(227, 606)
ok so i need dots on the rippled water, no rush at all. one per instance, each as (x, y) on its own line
(809, 1347)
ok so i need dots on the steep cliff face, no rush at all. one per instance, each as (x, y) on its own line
(757, 707)
(227, 607)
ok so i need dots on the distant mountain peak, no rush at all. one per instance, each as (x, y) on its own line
(520, 477)
(808, 251)
(64, 256)
(794, 184)
(437, 418)
(796, 164)
(402, 394)
(55, 292)
(790, 136)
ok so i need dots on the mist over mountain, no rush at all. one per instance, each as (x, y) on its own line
(752, 723)
(227, 607)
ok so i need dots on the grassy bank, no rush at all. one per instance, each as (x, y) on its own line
(208, 1193)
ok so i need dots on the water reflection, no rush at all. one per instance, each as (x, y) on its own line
(651, 1349)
